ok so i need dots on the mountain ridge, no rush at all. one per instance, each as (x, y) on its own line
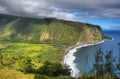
(48, 30)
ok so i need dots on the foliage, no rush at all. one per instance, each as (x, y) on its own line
(12, 74)
(53, 69)
(99, 63)
(92, 76)
(39, 53)
(24, 64)
(118, 63)
(1, 57)
(104, 64)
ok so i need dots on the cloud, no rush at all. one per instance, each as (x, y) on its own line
(63, 15)
(62, 9)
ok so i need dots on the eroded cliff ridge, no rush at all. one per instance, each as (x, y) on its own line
(48, 30)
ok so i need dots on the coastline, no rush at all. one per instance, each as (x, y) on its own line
(69, 57)
(83, 45)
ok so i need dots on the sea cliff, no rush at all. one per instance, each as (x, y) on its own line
(48, 30)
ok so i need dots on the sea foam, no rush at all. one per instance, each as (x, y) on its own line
(69, 59)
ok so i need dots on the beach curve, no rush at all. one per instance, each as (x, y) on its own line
(69, 58)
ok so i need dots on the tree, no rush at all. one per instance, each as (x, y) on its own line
(104, 64)
(1, 57)
(118, 66)
(53, 69)
(109, 63)
(24, 64)
(118, 61)
(99, 63)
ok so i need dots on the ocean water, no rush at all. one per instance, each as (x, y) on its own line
(81, 60)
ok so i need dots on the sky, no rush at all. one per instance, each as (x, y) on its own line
(105, 13)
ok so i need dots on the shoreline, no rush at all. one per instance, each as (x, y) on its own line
(83, 45)
(69, 57)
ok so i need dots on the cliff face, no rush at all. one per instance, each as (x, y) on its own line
(90, 35)
(53, 31)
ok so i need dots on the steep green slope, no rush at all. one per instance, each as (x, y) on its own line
(47, 30)
(18, 36)
(40, 40)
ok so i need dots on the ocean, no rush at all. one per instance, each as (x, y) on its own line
(81, 60)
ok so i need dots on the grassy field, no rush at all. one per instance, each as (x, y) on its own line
(12, 74)
(39, 53)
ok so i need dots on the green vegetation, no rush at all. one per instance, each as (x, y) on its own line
(24, 65)
(39, 53)
(104, 65)
(49, 31)
(103, 69)
(12, 74)
(53, 69)
(27, 43)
